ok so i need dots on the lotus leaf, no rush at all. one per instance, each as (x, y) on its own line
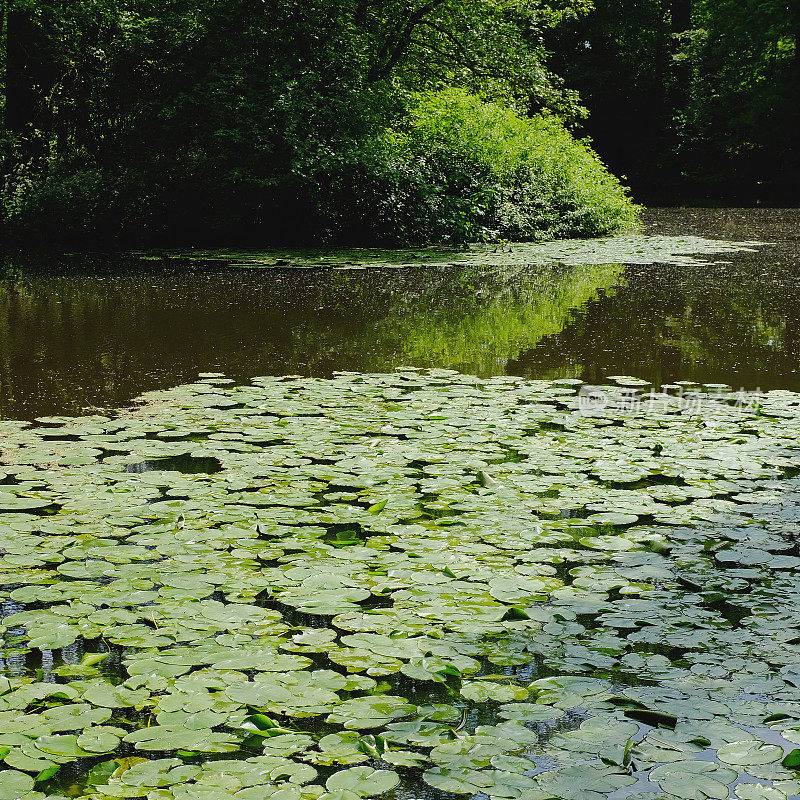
(370, 712)
(694, 780)
(14, 785)
(748, 753)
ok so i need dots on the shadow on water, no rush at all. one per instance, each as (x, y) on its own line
(187, 464)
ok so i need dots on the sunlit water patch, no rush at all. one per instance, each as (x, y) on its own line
(418, 584)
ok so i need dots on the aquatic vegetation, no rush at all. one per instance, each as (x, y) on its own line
(622, 249)
(407, 584)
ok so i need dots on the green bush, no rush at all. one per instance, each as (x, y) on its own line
(449, 168)
(460, 169)
(62, 204)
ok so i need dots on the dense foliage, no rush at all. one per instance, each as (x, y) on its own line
(458, 168)
(259, 120)
(691, 97)
(235, 119)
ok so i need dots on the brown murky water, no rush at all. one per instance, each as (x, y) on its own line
(85, 332)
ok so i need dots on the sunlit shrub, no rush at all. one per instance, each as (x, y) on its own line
(448, 168)
(460, 169)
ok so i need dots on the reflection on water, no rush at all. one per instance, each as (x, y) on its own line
(99, 333)
(734, 321)
(69, 341)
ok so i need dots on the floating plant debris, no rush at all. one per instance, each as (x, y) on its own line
(404, 585)
(623, 249)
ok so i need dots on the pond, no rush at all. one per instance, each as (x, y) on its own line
(510, 581)
(78, 332)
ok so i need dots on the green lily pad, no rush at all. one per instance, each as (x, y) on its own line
(694, 780)
(14, 785)
(363, 781)
(274, 616)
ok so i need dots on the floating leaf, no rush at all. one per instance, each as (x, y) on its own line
(362, 781)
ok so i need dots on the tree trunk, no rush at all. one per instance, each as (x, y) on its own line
(21, 99)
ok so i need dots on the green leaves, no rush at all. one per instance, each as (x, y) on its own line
(17, 503)
(584, 782)
(100, 739)
(246, 644)
(694, 780)
(162, 738)
(748, 753)
(361, 713)
(362, 781)
(14, 785)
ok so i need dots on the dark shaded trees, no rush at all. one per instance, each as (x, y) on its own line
(744, 105)
(690, 98)
(174, 116)
(621, 60)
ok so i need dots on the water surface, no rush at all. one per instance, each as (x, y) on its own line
(84, 332)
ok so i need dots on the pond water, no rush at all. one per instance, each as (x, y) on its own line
(83, 332)
(534, 578)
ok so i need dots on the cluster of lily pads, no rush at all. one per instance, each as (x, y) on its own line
(623, 248)
(420, 584)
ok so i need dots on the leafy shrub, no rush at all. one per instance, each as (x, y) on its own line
(460, 169)
(450, 168)
(62, 204)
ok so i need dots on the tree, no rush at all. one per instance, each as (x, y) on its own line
(744, 109)
(171, 118)
(690, 98)
(620, 60)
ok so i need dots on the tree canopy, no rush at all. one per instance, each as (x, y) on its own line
(253, 119)
(691, 97)
(119, 106)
